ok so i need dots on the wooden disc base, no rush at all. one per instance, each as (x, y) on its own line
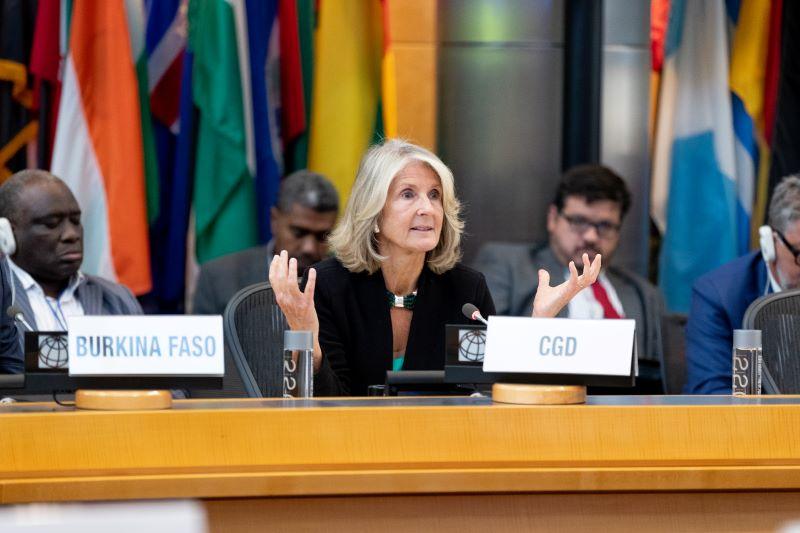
(123, 400)
(538, 394)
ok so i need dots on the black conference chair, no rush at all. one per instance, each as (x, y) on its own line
(254, 326)
(673, 339)
(232, 384)
(778, 317)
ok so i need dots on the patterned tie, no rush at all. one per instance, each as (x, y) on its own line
(601, 296)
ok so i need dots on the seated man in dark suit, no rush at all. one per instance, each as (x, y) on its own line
(306, 210)
(721, 297)
(49, 286)
(585, 217)
(10, 357)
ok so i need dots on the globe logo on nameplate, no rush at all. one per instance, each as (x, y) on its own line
(471, 345)
(53, 351)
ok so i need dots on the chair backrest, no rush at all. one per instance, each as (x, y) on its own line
(232, 383)
(673, 367)
(254, 326)
(778, 317)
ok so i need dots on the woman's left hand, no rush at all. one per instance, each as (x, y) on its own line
(550, 300)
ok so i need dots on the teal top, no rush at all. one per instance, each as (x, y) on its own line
(397, 363)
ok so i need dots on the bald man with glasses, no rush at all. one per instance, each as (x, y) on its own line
(585, 217)
(721, 297)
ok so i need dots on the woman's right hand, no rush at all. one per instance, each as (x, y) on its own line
(297, 305)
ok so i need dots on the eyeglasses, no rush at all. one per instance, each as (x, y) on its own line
(581, 225)
(794, 251)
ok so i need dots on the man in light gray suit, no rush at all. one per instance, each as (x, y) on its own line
(585, 217)
(305, 213)
(49, 286)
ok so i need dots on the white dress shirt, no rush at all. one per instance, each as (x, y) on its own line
(585, 305)
(50, 313)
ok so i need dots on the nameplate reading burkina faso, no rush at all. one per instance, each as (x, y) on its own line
(172, 345)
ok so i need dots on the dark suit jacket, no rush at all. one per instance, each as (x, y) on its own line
(719, 301)
(355, 330)
(221, 278)
(511, 271)
(98, 296)
(10, 348)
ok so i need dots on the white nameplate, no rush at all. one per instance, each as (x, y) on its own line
(151, 345)
(559, 346)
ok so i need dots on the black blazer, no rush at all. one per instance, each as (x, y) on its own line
(355, 329)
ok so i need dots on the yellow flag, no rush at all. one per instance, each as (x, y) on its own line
(347, 84)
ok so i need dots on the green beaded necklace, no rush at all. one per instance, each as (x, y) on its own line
(406, 302)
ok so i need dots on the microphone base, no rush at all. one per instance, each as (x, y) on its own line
(123, 400)
(522, 394)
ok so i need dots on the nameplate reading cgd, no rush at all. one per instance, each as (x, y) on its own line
(172, 345)
(560, 346)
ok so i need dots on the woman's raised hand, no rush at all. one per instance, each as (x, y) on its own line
(297, 305)
(550, 300)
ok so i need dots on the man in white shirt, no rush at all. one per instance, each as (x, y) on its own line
(49, 287)
(585, 217)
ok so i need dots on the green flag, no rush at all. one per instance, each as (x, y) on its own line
(135, 11)
(224, 193)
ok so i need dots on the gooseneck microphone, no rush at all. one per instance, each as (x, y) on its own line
(16, 314)
(472, 312)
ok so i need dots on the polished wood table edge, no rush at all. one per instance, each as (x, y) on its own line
(505, 436)
(354, 483)
(260, 448)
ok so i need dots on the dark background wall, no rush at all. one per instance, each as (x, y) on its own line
(501, 104)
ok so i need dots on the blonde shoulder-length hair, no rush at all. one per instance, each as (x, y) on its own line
(354, 241)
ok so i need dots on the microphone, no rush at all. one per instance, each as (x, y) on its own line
(16, 313)
(472, 312)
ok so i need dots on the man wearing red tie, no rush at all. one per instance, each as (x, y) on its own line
(585, 217)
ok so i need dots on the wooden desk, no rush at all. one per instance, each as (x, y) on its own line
(677, 463)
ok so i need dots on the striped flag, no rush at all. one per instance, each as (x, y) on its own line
(98, 147)
(293, 105)
(136, 28)
(696, 201)
(753, 85)
(297, 74)
(170, 97)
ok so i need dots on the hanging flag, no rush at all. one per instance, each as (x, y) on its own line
(18, 126)
(752, 100)
(296, 144)
(388, 77)
(265, 86)
(786, 131)
(346, 92)
(98, 148)
(136, 29)
(224, 193)
(293, 105)
(659, 16)
(694, 190)
(45, 63)
(170, 95)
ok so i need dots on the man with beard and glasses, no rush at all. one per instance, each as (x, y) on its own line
(49, 286)
(306, 210)
(585, 217)
(721, 297)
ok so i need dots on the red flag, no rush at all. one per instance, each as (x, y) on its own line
(293, 111)
(45, 67)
